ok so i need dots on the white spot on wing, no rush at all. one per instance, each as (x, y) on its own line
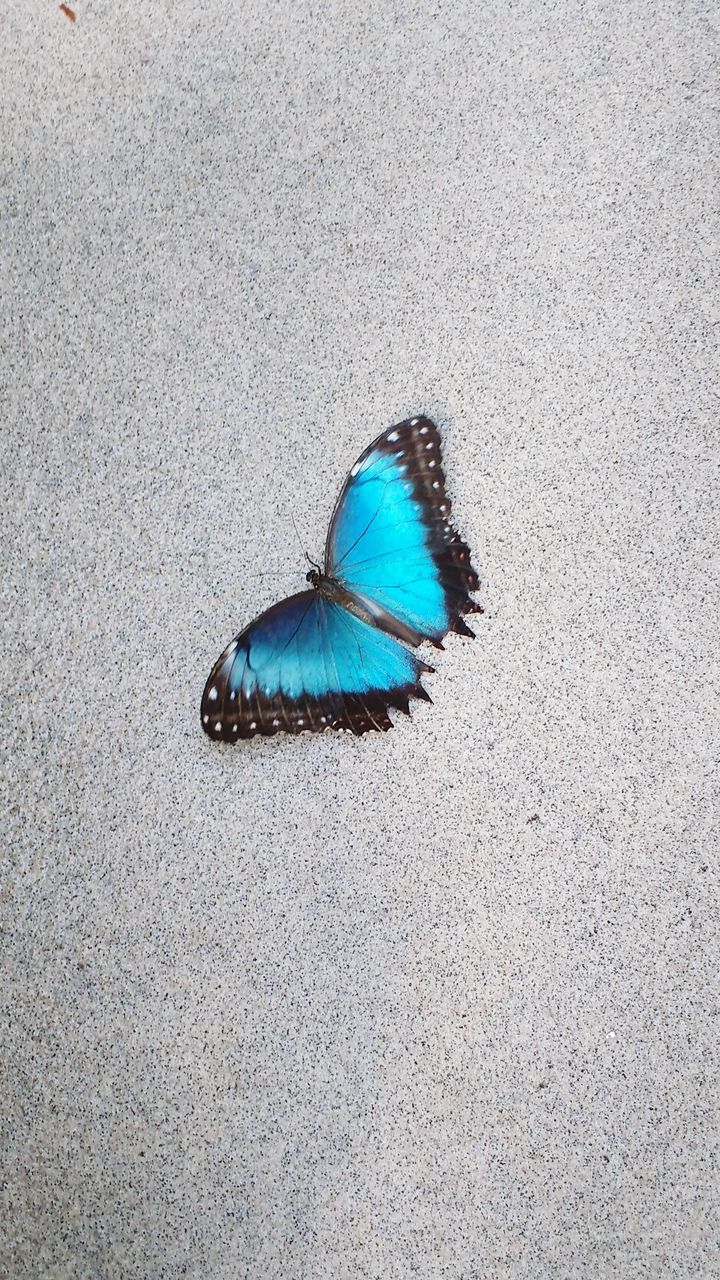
(253, 724)
(205, 719)
(431, 463)
(424, 431)
(218, 726)
(414, 422)
(354, 470)
(301, 721)
(429, 444)
(212, 694)
(436, 484)
(393, 436)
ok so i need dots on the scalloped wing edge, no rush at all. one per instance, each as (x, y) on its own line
(356, 713)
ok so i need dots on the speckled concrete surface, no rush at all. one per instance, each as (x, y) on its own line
(325, 1007)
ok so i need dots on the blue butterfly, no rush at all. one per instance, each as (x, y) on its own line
(395, 570)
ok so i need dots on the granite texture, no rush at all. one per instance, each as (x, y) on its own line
(441, 1003)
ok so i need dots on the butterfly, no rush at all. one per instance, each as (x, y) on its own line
(396, 573)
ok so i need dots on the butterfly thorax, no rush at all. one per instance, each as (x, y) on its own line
(328, 587)
(336, 593)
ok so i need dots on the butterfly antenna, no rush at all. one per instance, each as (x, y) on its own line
(300, 542)
(272, 573)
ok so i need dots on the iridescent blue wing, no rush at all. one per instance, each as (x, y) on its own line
(391, 543)
(308, 664)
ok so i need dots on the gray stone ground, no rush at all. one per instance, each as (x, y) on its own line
(324, 1007)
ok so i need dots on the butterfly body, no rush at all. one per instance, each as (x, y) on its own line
(329, 587)
(395, 571)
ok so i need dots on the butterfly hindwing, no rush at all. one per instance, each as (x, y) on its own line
(391, 543)
(308, 664)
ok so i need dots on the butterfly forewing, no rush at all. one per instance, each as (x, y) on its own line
(391, 540)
